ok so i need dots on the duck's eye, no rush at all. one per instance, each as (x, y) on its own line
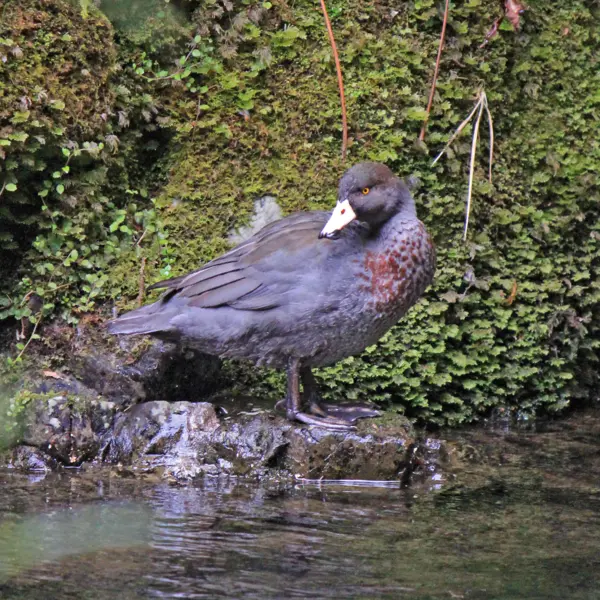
(365, 191)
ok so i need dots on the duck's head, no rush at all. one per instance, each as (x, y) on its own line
(371, 193)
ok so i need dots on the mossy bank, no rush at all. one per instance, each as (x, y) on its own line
(135, 135)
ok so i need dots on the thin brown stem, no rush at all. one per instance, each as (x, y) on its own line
(435, 72)
(142, 282)
(338, 68)
(142, 237)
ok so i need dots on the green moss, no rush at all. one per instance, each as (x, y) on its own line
(14, 399)
(55, 90)
(212, 107)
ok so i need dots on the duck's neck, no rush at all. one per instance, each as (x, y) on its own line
(405, 215)
(407, 211)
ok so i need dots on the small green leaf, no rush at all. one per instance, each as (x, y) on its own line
(20, 116)
(11, 187)
(116, 223)
(415, 113)
(19, 136)
(60, 188)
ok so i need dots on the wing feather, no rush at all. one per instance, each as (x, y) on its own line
(224, 294)
(212, 283)
(254, 275)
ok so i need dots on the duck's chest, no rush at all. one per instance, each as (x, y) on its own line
(393, 274)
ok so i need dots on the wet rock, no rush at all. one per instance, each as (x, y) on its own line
(29, 459)
(157, 429)
(136, 403)
(245, 445)
(182, 441)
(67, 429)
(187, 440)
(48, 427)
(323, 455)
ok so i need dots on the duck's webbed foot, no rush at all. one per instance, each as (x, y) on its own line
(293, 404)
(328, 422)
(348, 413)
(345, 413)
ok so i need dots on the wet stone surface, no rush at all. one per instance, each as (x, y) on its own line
(185, 441)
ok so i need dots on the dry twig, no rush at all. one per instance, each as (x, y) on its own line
(31, 337)
(512, 13)
(480, 106)
(142, 282)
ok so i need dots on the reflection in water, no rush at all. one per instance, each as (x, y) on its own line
(529, 529)
(27, 541)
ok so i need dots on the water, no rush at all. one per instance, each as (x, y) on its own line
(521, 519)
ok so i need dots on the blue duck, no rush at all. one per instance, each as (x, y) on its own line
(305, 291)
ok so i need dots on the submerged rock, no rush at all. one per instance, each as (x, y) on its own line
(31, 460)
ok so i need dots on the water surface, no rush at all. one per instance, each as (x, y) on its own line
(521, 520)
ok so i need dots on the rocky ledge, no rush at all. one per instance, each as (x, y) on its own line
(127, 403)
(187, 440)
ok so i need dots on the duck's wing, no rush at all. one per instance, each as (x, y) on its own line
(257, 274)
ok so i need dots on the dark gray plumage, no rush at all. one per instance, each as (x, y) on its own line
(286, 298)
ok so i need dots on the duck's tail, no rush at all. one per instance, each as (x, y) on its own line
(147, 319)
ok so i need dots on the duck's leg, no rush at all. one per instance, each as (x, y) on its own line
(293, 403)
(347, 413)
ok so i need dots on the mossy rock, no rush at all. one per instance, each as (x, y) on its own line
(252, 108)
(58, 67)
(55, 95)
